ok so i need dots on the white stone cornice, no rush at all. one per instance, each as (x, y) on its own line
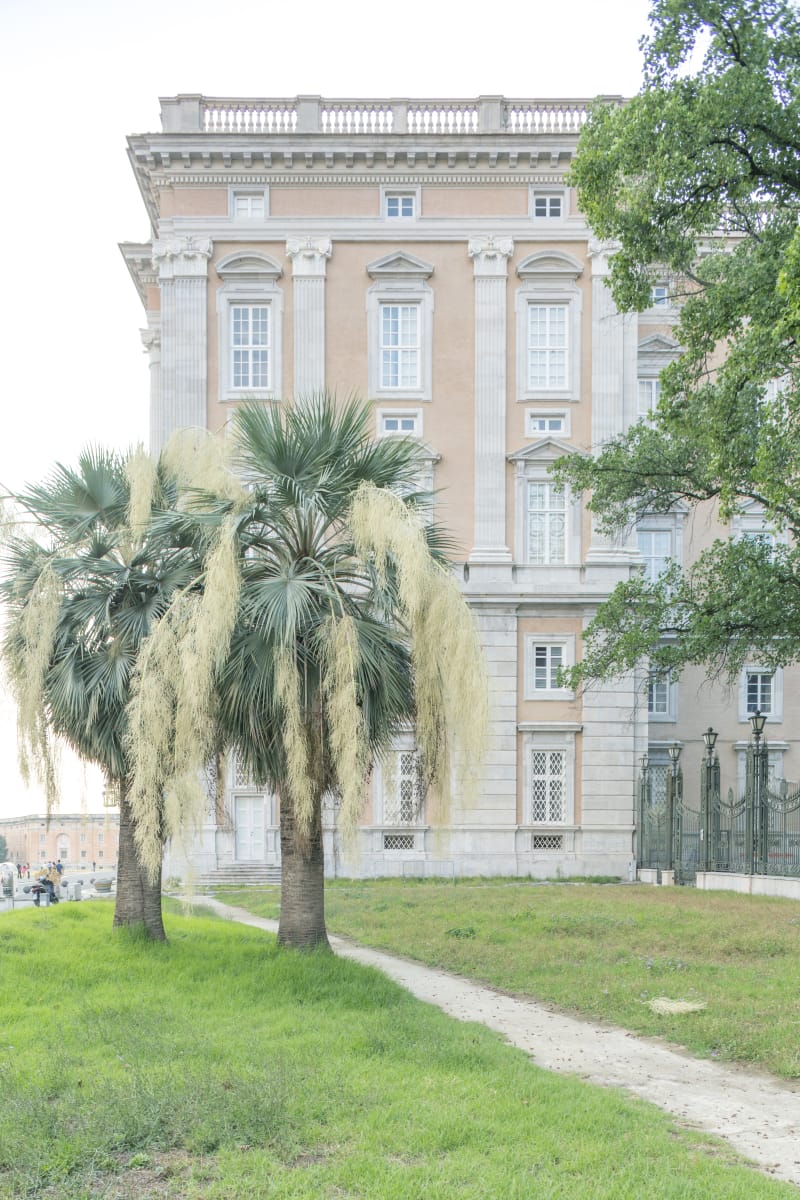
(600, 254)
(309, 255)
(490, 254)
(182, 257)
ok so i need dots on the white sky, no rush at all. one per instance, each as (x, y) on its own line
(76, 79)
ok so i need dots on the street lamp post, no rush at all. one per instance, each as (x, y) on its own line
(709, 789)
(757, 810)
(673, 796)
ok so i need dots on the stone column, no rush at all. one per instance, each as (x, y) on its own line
(182, 265)
(151, 340)
(490, 259)
(612, 332)
(309, 258)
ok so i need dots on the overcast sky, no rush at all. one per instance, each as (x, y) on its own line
(76, 79)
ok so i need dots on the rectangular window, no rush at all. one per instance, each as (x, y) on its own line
(547, 346)
(649, 393)
(655, 547)
(249, 206)
(99, 853)
(547, 523)
(100, 837)
(400, 346)
(548, 785)
(83, 837)
(83, 854)
(399, 424)
(399, 205)
(546, 206)
(547, 662)
(250, 346)
(402, 803)
(759, 692)
(539, 423)
(659, 295)
(658, 696)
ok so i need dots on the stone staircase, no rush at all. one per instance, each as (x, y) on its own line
(240, 875)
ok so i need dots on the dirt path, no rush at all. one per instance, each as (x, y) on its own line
(758, 1115)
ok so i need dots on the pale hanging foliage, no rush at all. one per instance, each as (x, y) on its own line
(299, 785)
(198, 459)
(32, 634)
(449, 677)
(142, 476)
(348, 738)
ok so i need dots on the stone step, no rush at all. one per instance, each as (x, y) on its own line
(241, 875)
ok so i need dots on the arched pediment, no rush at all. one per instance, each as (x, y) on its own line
(401, 265)
(550, 263)
(248, 265)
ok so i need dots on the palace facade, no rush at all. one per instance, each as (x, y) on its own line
(429, 255)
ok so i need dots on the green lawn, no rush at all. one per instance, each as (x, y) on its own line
(602, 951)
(216, 1066)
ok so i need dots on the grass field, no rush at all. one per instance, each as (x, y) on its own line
(602, 951)
(218, 1067)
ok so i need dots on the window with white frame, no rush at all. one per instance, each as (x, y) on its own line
(400, 328)
(405, 793)
(547, 205)
(548, 785)
(548, 335)
(250, 310)
(648, 395)
(400, 205)
(546, 522)
(548, 305)
(751, 525)
(656, 548)
(659, 295)
(249, 204)
(400, 347)
(539, 422)
(250, 347)
(395, 422)
(662, 696)
(761, 690)
(545, 656)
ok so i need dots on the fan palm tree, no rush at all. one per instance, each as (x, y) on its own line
(85, 582)
(348, 627)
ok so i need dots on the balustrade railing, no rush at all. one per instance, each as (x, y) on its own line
(315, 114)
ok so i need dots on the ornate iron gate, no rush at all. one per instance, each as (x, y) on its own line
(670, 829)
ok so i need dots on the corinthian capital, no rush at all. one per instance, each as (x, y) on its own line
(490, 255)
(309, 254)
(182, 256)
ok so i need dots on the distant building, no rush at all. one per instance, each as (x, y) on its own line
(81, 840)
(430, 256)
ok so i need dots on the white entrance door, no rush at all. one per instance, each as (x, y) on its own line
(250, 828)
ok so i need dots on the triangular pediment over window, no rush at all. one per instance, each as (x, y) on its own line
(248, 266)
(656, 352)
(399, 265)
(550, 264)
(545, 450)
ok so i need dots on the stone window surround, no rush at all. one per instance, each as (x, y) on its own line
(549, 277)
(533, 413)
(382, 412)
(532, 465)
(537, 190)
(242, 190)
(401, 190)
(548, 737)
(400, 278)
(531, 641)
(249, 278)
(775, 716)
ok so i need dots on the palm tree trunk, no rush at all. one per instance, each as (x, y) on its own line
(302, 918)
(138, 899)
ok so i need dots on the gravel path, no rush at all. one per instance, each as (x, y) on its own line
(757, 1114)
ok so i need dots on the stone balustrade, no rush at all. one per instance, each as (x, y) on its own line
(315, 114)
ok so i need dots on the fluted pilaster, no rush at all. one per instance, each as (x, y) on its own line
(182, 265)
(490, 260)
(309, 262)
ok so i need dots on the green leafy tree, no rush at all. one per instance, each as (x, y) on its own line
(697, 179)
(85, 581)
(347, 628)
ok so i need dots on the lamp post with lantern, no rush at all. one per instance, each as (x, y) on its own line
(709, 791)
(757, 834)
(674, 790)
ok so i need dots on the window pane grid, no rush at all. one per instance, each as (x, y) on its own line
(547, 661)
(547, 345)
(655, 547)
(658, 696)
(547, 523)
(759, 692)
(548, 785)
(403, 804)
(250, 339)
(399, 345)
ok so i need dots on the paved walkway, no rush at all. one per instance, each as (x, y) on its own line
(757, 1114)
